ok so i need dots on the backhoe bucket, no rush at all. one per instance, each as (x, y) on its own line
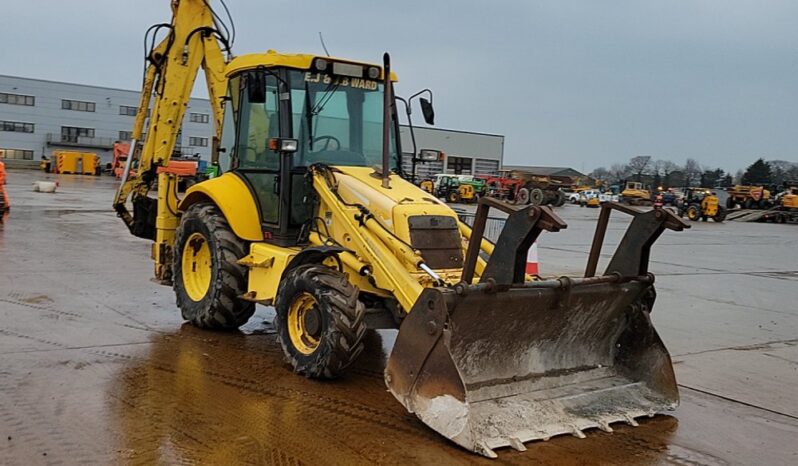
(498, 364)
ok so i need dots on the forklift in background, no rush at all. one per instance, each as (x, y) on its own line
(701, 204)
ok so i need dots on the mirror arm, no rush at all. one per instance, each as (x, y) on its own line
(421, 92)
(412, 137)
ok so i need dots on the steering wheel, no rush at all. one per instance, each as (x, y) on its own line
(327, 140)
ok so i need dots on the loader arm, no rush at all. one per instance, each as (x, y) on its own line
(193, 42)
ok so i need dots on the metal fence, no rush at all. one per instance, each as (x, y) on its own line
(493, 227)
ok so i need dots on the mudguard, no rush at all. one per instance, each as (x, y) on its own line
(234, 199)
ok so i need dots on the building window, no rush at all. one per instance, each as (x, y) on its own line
(72, 133)
(127, 110)
(16, 127)
(128, 136)
(199, 118)
(458, 165)
(78, 105)
(17, 99)
(18, 154)
(198, 142)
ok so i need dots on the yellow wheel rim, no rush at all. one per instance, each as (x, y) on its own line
(304, 323)
(196, 266)
(692, 214)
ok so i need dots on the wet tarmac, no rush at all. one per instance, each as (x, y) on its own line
(96, 366)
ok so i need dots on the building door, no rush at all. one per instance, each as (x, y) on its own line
(486, 167)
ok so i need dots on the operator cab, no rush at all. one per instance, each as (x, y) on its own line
(284, 113)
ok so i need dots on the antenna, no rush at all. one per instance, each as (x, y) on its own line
(321, 38)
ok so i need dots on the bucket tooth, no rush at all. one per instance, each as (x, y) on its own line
(605, 426)
(577, 432)
(630, 420)
(516, 443)
(485, 450)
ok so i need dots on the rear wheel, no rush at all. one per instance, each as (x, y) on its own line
(694, 213)
(207, 277)
(559, 199)
(453, 197)
(523, 197)
(749, 203)
(536, 196)
(320, 321)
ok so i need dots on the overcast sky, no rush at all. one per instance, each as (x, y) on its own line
(576, 83)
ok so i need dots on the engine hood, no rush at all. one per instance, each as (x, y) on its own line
(393, 206)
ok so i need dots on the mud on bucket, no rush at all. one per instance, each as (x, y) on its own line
(494, 369)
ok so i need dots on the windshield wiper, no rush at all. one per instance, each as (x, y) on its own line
(328, 93)
(317, 109)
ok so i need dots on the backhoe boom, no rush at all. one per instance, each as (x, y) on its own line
(172, 66)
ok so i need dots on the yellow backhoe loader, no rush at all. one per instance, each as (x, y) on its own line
(299, 218)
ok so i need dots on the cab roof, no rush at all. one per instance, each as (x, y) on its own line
(289, 60)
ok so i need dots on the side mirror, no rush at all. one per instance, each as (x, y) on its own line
(428, 111)
(429, 155)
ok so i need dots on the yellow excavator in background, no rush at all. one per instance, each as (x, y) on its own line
(311, 214)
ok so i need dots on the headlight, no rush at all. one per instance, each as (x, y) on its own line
(321, 64)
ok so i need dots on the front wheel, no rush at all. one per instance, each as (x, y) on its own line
(694, 213)
(207, 277)
(320, 321)
(720, 216)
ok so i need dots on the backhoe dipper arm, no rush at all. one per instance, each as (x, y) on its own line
(192, 42)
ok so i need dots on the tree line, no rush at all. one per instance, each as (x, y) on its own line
(668, 174)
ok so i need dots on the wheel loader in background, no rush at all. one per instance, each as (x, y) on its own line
(300, 219)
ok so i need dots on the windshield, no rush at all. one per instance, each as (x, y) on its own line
(338, 120)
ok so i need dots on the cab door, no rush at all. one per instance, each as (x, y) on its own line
(251, 119)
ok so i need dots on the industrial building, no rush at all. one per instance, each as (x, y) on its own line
(464, 152)
(39, 116)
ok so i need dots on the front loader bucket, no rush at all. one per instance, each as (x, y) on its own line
(506, 360)
(493, 369)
